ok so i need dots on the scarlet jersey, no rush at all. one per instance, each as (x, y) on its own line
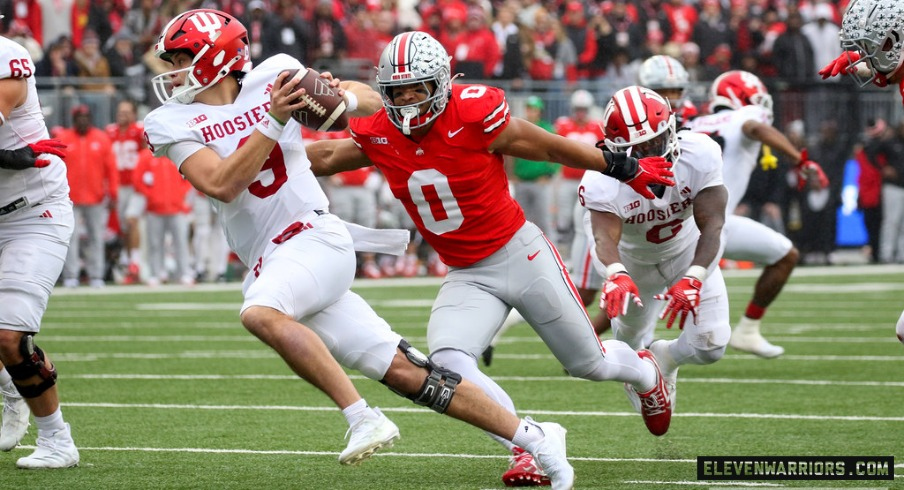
(286, 188)
(126, 145)
(661, 228)
(739, 152)
(24, 126)
(589, 132)
(454, 188)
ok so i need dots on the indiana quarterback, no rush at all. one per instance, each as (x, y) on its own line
(440, 147)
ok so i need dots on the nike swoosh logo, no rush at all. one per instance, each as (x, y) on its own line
(533, 255)
(453, 133)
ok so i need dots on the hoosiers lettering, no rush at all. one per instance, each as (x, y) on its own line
(238, 124)
(659, 214)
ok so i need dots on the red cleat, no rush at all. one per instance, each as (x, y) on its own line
(523, 471)
(655, 406)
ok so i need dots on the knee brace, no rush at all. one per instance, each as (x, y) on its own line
(34, 364)
(439, 387)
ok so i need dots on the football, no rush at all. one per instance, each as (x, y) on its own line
(325, 110)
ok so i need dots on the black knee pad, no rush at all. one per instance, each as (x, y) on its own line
(34, 364)
(439, 387)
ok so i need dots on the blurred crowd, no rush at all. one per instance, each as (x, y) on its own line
(566, 40)
(140, 222)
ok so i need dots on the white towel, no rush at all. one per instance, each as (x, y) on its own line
(383, 241)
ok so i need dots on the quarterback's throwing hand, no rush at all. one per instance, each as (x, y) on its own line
(683, 298)
(617, 292)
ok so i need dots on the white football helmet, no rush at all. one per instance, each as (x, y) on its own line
(661, 71)
(875, 28)
(217, 43)
(581, 99)
(414, 57)
(641, 120)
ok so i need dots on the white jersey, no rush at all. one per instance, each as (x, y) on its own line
(24, 126)
(286, 188)
(655, 230)
(739, 152)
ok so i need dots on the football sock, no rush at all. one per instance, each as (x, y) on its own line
(50, 424)
(622, 363)
(135, 256)
(357, 411)
(6, 382)
(755, 312)
(527, 433)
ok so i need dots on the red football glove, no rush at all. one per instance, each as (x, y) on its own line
(52, 147)
(844, 63)
(618, 290)
(807, 169)
(651, 171)
(683, 298)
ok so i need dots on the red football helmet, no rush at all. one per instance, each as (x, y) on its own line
(639, 119)
(735, 89)
(217, 43)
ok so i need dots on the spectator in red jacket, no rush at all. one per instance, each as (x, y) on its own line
(93, 188)
(166, 193)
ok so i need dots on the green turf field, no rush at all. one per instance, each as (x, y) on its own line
(164, 389)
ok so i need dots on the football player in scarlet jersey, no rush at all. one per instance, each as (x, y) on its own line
(872, 35)
(440, 147)
(127, 138)
(36, 223)
(237, 143)
(741, 120)
(672, 243)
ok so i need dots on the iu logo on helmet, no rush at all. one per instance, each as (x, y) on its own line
(208, 23)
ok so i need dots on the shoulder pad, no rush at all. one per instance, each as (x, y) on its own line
(15, 62)
(476, 103)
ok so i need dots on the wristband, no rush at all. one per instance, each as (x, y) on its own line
(270, 127)
(698, 272)
(615, 268)
(351, 101)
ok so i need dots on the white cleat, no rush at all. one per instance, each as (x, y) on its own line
(56, 451)
(659, 349)
(367, 437)
(549, 453)
(15, 421)
(746, 337)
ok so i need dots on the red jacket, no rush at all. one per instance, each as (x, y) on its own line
(158, 179)
(90, 166)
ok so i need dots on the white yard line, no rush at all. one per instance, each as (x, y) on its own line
(555, 379)
(778, 416)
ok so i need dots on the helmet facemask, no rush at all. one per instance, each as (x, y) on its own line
(652, 134)
(875, 29)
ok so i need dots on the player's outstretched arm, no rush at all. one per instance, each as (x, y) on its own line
(523, 139)
(330, 157)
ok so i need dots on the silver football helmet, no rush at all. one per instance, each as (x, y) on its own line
(661, 71)
(875, 29)
(410, 58)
